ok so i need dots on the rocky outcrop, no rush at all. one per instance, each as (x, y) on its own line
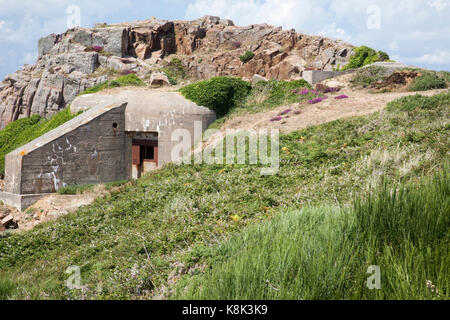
(80, 58)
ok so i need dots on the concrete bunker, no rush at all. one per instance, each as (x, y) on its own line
(120, 135)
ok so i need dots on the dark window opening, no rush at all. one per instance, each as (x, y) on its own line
(147, 153)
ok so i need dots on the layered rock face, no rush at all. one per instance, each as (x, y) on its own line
(80, 58)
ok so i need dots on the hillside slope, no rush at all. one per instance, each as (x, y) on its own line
(132, 242)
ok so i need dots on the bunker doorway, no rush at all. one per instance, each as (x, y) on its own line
(144, 156)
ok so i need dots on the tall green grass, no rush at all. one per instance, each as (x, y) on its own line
(324, 252)
(22, 131)
(123, 81)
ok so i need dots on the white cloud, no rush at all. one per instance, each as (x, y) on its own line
(333, 31)
(393, 46)
(2, 22)
(439, 4)
(435, 58)
(287, 13)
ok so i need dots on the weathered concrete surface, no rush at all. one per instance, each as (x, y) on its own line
(152, 111)
(96, 146)
(315, 76)
(20, 201)
(85, 149)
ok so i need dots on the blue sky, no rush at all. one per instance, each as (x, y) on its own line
(412, 31)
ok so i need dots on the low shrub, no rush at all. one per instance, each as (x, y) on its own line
(366, 77)
(174, 70)
(325, 89)
(247, 56)
(316, 100)
(75, 189)
(22, 131)
(428, 81)
(278, 92)
(126, 72)
(364, 56)
(418, 101)
(123, 81)
(236, 44)
(219, 94)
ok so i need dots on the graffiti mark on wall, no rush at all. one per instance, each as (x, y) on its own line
(55, 160)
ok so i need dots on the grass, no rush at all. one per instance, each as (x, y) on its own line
(366, 77)
(128, 242)
(267, 95)
(428, 81)
(174, 70)
(123, 81)
(324, 252)
(247, 56)
(75, 189)
(22, 131)
(83, 188)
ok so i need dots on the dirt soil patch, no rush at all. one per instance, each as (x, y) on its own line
(51, 207)
(400, 80)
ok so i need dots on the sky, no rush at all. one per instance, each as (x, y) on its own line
(415, 32)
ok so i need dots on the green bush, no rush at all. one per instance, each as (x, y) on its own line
(174, 70)
(418, 101)
(123, 81)
(75, 189)
(219, 94)
(22, 131)
(428, 81)
(247, 56)
(279, 92)
(364, 56)
(366, 77)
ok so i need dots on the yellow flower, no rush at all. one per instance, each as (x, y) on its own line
(235, 218)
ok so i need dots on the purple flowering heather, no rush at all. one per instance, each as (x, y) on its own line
(236, 44)
(342, 96)
(304, 92)
(333, 89)
(317, 100)
(278, 118)
(285, 112)
(325, 89)
(126, 72)
(97, 48)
